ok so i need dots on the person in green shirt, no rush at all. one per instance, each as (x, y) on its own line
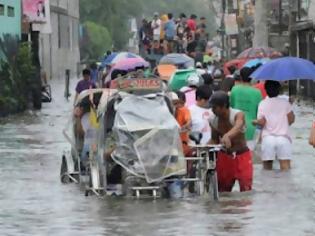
(246, 98)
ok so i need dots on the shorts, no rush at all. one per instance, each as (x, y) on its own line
(156, 37)
(230, 169)
(276, 147)
(251, 144)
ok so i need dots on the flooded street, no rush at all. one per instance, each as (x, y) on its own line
(34, 202)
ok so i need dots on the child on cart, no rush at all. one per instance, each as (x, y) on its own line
(182, 115)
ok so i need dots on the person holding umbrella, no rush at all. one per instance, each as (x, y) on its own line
(288, 68)
(275, 115)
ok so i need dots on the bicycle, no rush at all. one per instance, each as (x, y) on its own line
(204, 167)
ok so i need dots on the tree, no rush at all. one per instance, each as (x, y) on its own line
(17, 75)
(97, 41)
(114, 15)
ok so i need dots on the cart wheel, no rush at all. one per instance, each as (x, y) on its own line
(76, 177)
(212, 185)
(193, 173)
(199, 185)
(64, 178)
(87, 192)
(130, 181)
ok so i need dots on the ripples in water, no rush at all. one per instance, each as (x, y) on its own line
(33, 202)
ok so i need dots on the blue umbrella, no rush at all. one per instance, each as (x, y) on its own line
(177, 59)
(286, 68)
(256, 61)
(107, 60)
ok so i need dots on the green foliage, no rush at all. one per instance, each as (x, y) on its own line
(98, 41)
(9, 47)
(17, 74)
(114, 15)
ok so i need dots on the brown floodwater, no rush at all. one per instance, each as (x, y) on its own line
(34, 202)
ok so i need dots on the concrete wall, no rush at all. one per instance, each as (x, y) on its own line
(11, 25)
(311, 10)
(278, 41)
(60, 49)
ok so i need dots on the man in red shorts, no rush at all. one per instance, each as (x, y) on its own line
(228, 128)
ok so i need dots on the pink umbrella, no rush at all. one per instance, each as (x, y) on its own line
(127, 65)
(130, 64)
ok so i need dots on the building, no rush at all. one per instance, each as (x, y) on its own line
(10, 17)
(302, 41)
(236, 25)
(59, 50)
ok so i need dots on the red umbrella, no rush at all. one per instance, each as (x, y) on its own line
(251, 53)
(259, 52)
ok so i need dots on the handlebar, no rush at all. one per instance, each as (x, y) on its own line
(215, 146)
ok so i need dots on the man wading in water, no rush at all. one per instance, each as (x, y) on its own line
(228, 128)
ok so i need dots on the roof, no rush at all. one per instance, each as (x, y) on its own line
(303, 25)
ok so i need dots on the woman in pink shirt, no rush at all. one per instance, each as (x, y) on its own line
(275, 115)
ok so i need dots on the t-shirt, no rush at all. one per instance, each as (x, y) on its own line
(94, 76)
(170, 30)
(190, 95)
(180, 30)
(192, 24)
(246, 99)
(261, 87)
(157, 24)
(275, 111)
(183, 117)
(200, 118)
(90, 133)
(84, 85)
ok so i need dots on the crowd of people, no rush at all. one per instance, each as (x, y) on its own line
(226, 109)
(239, 118)
(233, 111)
(166, 34)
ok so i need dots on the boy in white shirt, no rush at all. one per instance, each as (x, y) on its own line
(156, 27)
(201, 113)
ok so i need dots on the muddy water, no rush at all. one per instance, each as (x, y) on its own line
(33, 202)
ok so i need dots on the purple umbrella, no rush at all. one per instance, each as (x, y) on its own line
(126, 65)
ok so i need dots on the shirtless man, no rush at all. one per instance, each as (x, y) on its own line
(228, 128)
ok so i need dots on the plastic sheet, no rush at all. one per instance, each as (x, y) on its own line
(148, 142)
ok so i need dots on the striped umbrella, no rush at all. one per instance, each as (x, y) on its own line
(116, 57)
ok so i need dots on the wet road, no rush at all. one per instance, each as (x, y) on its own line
(34, 202)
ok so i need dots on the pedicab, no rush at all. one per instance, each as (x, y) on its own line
(138, 145)
(138, 151)
(71, 159)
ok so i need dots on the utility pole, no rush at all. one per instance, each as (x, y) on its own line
(261, 28)
(294, 86)
(280, 17)
(223, 27)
